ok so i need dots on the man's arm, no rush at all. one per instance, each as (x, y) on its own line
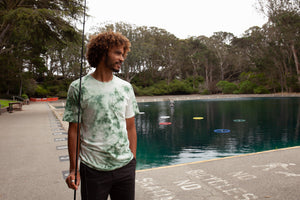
(131, 131)
(72, 138)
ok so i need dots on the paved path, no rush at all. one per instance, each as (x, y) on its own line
(268, 175)
(31, 166)
(34, 158)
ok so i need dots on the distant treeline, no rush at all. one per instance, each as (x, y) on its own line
(40, 53)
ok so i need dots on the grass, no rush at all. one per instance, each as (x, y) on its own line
(4, 103)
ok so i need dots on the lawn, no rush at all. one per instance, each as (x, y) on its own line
(4, 103)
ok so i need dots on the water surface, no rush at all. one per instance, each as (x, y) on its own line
(255, 124)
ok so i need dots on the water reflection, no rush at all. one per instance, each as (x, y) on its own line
(267, 123)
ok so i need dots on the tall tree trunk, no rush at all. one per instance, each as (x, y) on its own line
(296, 61)
(206, 74)
(21, 87)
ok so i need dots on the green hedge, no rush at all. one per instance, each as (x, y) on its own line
(227, 87)
(244, 87)
(162, 88)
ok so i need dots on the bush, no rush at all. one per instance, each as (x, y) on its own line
(162, 88)
(180, 87)
(53, 90)
(261, 90)
(62, 94)
(227, 87)
(24, 96)
(41, 92)
(247, 87)
(205, 92)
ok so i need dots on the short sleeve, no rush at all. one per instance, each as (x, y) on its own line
(132, 107)
(71, 110)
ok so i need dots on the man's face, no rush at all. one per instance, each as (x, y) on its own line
(115, 58)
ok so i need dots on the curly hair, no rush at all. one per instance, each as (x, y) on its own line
(100, 44)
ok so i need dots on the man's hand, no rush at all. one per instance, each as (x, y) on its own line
(70, 180)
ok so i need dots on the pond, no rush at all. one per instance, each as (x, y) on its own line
(187, 131)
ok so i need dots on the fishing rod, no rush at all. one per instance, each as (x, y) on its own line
(79, 98)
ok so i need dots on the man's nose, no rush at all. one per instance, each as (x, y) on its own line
(122, 58)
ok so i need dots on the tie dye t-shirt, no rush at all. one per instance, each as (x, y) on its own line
(104, 108)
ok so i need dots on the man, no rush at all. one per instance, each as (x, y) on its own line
(107, 124)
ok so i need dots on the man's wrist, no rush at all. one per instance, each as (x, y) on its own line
(73, 170)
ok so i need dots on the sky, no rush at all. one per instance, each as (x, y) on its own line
(183, 18)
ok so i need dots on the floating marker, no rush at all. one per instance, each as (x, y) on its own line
(198, 118)
(222, 131)
(164, 117)
(239, 120)
(165, 123)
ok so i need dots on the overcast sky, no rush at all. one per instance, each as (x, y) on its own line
(183, 18)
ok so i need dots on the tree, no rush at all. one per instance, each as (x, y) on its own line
(284, 21)
(219, 43)
(28, 27)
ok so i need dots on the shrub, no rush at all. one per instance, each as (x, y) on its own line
(205, 92)
(24, 96)
(162, 88)
(41, 92)
(261, 90)
(247, 87)
(180, 87)
(227, 87)
(62, 94)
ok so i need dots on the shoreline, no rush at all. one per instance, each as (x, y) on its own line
(141, 99)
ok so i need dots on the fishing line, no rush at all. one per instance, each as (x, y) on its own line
(79, 98)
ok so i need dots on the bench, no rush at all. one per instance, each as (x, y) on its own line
(14, 106)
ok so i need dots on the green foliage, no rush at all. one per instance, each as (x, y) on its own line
(293, 84)
(227, 87)
(162, 88)
(29, 29)
(5, 103)
(257, 78)
(205, 92)
(39, 44)
(261, 90)
(62, 94)
(24, 96)
(40, 91)
(246, 87)
(29, 86)
(253, 83)
(181, 87)
(194, 81)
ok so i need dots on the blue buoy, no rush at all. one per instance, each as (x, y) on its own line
(222, 131)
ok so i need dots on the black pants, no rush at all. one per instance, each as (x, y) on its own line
(97, 185)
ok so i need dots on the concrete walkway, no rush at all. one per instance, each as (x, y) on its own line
(267, 175)
(34, 162)
(32, 148)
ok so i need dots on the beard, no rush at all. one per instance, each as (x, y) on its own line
(113, 66)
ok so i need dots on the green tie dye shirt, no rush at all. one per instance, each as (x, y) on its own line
(104, 108)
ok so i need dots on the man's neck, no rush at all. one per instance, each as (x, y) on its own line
(102, 75)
